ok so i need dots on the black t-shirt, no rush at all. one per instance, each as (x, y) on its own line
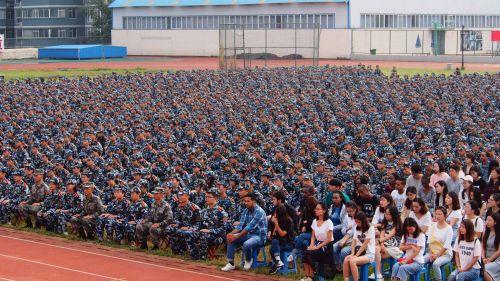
(368, 206)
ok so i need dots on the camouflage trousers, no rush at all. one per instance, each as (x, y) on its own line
(197, 242)
(130, 230)
(111, 225)
(48, 219)
(27, 210)
(7, 211)
(62, 220)
(84, 226)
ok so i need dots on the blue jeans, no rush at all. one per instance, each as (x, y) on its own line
(277, 248)
(403, 271)
(470, 275)
(301, 242)
(248, 242)
(339, 254)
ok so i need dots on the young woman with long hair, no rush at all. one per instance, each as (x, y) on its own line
(421, 214)
(491, 248)
(320, 247)
(281, 235)
(467, 250)
(471, 212)
(390, 237)
(441, 191)
(411, 195)
(440, 237)
(413, 244)
(363, 247)
(386, 201)
(454, 213)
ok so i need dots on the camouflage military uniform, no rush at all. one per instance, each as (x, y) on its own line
(215, 221)
(37, 195)
(118, 208)
(85, 221)
(185, 216)
(158, 213)
(47, 214)
(136, 213)
(71, 204)
(12, 196)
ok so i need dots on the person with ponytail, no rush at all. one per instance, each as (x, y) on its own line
(471, 211)
(467, 250)
(491, 248)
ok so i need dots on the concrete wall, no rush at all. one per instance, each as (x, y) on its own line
(339, 9)
(449, 7)
(334, 43)
(13, 54)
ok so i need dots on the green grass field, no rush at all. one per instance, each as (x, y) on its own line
(25, 74)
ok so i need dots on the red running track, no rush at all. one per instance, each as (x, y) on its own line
(29, 256)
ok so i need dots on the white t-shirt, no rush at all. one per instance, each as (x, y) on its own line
(399, 199)
(465, 195)
(321, 232)
(361, 238)
(467, 251)
(478, 224)
(444, 235)
(455, 214)
(425, 220)
(378, 217)
(419, 241)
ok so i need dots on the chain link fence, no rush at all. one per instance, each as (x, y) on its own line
(240, 46)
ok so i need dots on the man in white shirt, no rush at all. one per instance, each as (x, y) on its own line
(415, 179)
(399, 193)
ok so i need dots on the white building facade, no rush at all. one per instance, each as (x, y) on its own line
(191, 27)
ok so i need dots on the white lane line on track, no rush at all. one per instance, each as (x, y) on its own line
(118, 258)
(58, 267)
(6, 279)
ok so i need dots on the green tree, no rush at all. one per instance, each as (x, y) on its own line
(101, 17)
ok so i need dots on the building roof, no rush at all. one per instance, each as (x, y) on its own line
(185, 3)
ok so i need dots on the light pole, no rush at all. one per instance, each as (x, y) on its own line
(462, 35)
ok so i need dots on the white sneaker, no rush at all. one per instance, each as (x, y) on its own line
(228, 267)
(290, 258)
(280, 263)
(379, 277)
(248, 264)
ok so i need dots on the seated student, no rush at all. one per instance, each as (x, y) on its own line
(467, 250)
(493, 205)
(366, 201)
(411, 194)
(428, 194)
(475, 194)
(250, 233)
(471, 212)
(413, 243)
(334, 185)
(421, 214)
(491, 249)
(337, 214)
(390, 237)
(454, 213)
(399, 192)
(441, 191)
(320, 247)
(304, 232)
(386, 202)
(342, 248)
(281, 234)
(440, 237)
(363, 247)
